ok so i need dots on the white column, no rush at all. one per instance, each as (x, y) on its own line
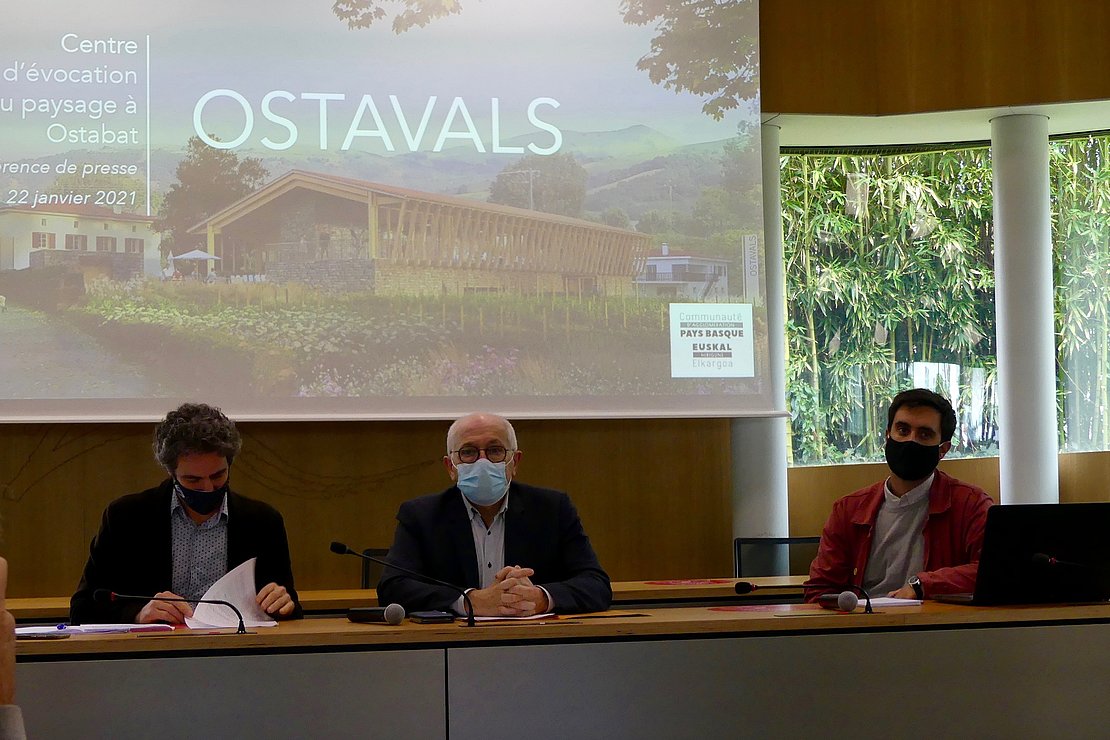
(1028, 463)
(759, 499)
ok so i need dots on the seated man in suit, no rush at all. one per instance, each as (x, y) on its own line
(177, 539)
(916, 534)
(517, 549)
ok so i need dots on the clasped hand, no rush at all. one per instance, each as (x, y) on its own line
(512, 594)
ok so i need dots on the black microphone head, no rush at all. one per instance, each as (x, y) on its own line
(1040, 558)
(103, 595)
(339, 548)
(394, 614)
(744, 587)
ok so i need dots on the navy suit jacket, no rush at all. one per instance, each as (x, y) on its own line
(133, 552)
(542, 532)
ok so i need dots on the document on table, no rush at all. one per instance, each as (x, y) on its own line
(88, 629)
(877, 601)
(509, 619)
(236, 587)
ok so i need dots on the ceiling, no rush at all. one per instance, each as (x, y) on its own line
(928, 128)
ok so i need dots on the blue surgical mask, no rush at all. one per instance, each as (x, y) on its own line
(202, 502)
(482, 482)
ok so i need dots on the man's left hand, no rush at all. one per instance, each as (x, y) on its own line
(275, 599)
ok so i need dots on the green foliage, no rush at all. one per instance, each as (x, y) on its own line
(698, 49)
(888, 262)
(553, 184)
(364, 13)
(1081, 239)
(366, 345)
(615, 217)
(89, 184)
(208, 180)
(653, 222)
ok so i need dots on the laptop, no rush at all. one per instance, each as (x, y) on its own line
(1042, 554)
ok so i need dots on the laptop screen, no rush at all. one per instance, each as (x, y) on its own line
(1045, 553)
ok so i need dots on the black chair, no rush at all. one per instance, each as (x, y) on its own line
(759, 556)
(371, 571)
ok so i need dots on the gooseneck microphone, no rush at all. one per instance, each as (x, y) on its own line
(845, 601)
(392, 614)
(103, 594)
(340, 549)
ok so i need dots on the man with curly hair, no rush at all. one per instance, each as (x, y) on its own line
(175, 540)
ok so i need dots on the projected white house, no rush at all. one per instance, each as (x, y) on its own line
(119, 244)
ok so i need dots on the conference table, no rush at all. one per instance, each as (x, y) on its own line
(729, 670)
(673, 592)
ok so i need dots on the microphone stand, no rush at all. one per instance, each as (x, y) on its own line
(101, 593)
(746, 587)
(340, 549)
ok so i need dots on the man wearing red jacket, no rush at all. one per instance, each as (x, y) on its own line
(916, 534)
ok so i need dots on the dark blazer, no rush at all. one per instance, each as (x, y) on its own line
(542, 532)
(133, 552)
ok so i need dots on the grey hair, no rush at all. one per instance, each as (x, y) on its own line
(510, 433)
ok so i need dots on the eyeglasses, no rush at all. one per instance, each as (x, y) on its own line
(469, 454)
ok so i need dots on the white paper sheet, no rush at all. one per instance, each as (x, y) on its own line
(87, 629)
(884, 601)
(508, 619)
(236, 587)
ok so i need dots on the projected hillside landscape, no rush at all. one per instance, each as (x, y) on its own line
(397, 217)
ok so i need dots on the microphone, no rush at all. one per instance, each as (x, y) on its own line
(845, 601)
(340, 549)
(1040, 558)
(829, 601)
(392, 614)
(103, 594)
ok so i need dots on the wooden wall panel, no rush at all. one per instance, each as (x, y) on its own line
(814, 489)
(654, 494)
(885, 57)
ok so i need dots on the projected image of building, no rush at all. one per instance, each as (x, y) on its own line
(683, 275)
(96, 240)
(343, 234)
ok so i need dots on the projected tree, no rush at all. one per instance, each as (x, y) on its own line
(698, 47)
(552, 184)
(207, 180)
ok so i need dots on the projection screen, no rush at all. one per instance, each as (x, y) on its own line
(381, 209)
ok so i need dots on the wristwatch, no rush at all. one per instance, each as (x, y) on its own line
(915, 584)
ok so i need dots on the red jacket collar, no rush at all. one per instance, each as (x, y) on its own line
(940, 499)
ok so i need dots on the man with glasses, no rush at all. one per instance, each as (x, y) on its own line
(517, 549)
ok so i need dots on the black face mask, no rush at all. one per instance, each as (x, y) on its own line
(202, 502)
(911, 461)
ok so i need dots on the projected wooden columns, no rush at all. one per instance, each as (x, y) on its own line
(428, 234)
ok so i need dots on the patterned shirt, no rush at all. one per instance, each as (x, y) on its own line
(199, 550)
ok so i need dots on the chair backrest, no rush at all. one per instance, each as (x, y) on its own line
(371, 571)
(773, 556)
